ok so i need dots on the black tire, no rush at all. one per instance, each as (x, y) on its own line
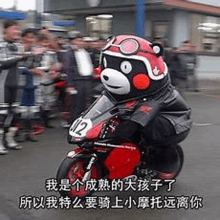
(68, 170)
(181, 155)
(174, 174)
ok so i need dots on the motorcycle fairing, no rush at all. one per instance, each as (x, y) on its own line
(75, 152)
(94, 132)
(122, 162)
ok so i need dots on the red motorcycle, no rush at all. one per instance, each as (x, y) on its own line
(99, 157)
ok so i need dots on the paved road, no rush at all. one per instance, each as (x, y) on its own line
(24, 173)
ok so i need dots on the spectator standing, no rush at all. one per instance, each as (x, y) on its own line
(79, 69)
(61, 81)
(188, 59)
(174, 65)
(29, 84)
(97, 46)
(8, 85)
(93, 51)
(51, 66)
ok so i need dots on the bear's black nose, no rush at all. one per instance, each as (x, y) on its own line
(105, 78)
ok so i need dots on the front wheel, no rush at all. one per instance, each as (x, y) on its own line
(74, 170)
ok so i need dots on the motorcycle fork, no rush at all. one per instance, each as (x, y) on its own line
(89, 167)
(141, 170)
(144, 153)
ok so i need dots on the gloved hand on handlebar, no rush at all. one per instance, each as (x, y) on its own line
(125, 130)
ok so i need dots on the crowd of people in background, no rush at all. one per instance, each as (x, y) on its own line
(41, 73)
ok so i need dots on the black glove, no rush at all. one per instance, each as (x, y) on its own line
(125, 130)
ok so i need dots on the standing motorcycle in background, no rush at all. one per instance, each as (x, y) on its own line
(98, 156)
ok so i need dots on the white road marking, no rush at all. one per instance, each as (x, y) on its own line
(202, 124)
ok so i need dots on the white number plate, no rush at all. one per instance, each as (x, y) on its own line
(80, 127)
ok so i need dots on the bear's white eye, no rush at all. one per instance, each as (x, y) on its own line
(126, 67)
(104, 62)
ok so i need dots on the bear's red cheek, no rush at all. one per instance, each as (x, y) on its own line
(141, 81)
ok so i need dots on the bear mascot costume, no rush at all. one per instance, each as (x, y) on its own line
(133, 72)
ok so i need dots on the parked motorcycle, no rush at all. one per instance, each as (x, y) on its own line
(98, 157)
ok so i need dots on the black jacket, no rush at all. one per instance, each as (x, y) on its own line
(166, 106)
(169, 105)
(71, 69)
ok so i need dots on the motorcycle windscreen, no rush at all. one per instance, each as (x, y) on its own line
(100, 111)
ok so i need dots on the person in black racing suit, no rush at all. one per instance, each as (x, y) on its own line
(134, 73)
(8, 79)
(9, 59)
